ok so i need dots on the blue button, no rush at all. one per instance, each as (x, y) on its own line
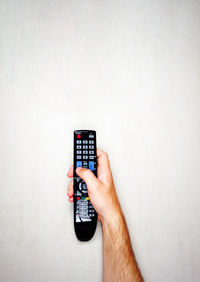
(79, 163)
(91, 165)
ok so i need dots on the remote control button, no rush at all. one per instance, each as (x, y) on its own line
(91, 135)
(79, 147)
(78, 136)
(77, 179)
(85, 152)
(91, 157)
(91, 152)
(85, 157)
(85, 142)
(87, 198)
(78, 141)
(91, 141)
(85, 163)
(78, 198)
(78, 152)
(78, 157)
(84, 203)
(86, 219)
(91, 165)
(80, 186)
(79, 164)
(78, 218)
(85, 146)
(91, 147)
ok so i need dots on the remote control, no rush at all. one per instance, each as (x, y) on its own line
(85, 216)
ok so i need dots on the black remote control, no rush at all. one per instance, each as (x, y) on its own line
(85, 217)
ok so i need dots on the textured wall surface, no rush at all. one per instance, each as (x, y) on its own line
(131, 71)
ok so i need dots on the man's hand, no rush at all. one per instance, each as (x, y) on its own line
(119, 263)
(101, 190)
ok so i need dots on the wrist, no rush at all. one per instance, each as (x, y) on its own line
(112, 217)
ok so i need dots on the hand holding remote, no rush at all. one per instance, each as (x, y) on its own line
(101, 189)
(119, 263)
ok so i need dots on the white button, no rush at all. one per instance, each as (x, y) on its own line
(91, 147)
(83, 203)
(85, 157)
(85, 219)
(91, 136)
(78, 152)
(91, 157)
(79, 147)
(91, 152)
(78, 141)
(91, 141)
(85, 152)
(85, 142)
(77, 179)
(85, 146)
(78, 157)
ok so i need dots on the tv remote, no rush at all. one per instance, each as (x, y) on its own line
(85, 216)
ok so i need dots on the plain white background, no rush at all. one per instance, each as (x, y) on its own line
(131, 71)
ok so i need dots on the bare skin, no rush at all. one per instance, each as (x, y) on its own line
(119, 263)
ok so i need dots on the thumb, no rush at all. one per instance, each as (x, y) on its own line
(88, 176)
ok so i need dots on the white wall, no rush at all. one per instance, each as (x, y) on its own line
(131, 71)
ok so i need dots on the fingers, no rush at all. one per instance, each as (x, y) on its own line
(88, 176)
(103, 173)
(103, 169)
(70, 173)
(70, 191)
(103, 161)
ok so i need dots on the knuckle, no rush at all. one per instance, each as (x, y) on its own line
(105, 155)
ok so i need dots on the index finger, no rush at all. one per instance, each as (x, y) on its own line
(102, 161)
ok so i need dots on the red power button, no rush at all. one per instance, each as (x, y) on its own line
(78, 136)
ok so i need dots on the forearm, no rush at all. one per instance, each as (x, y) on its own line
(119, 263)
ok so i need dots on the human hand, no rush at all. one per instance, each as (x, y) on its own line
(101, 189)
